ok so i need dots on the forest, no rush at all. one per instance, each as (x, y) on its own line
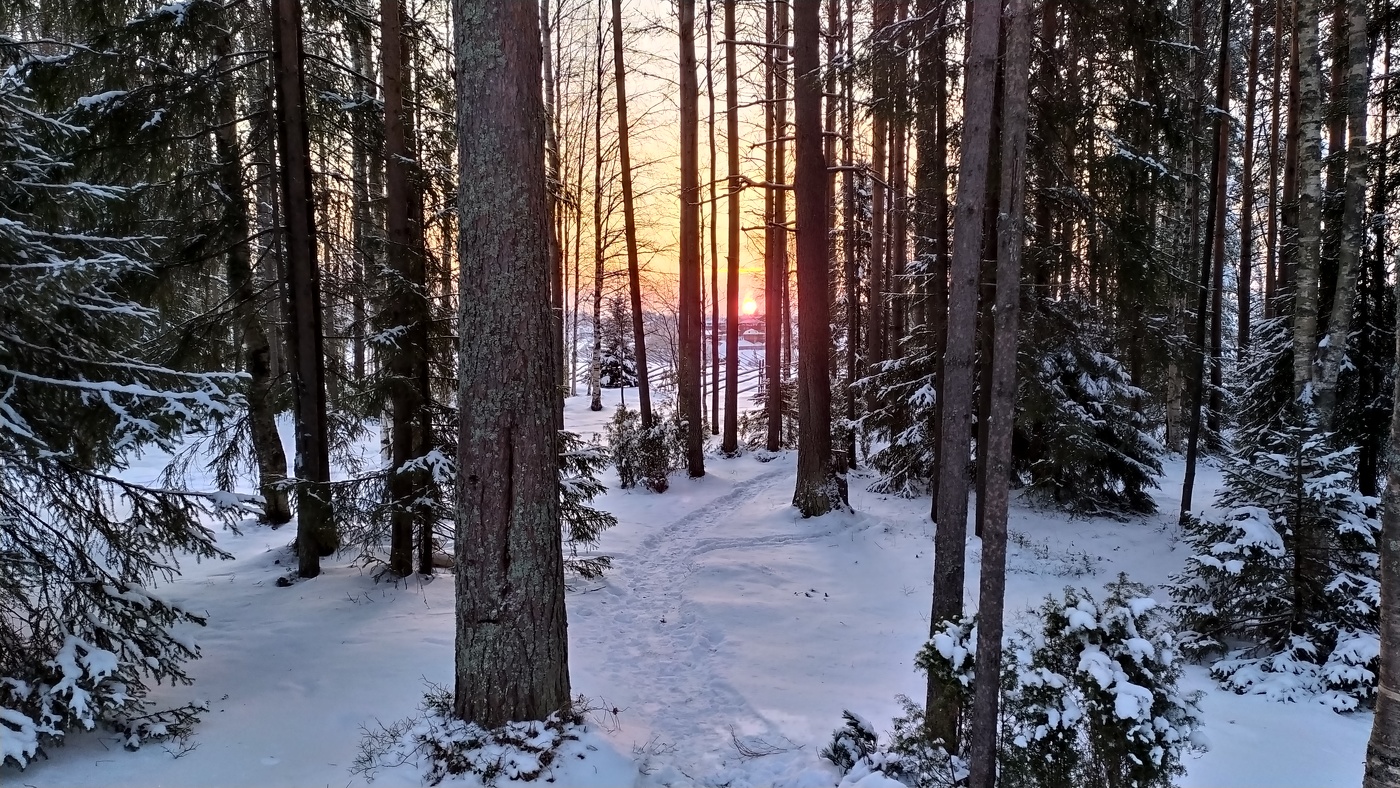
(858, 393)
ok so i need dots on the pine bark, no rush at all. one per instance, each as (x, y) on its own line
(776, 315)
(772, 244)
(1271, 252)
(820, 486)
(629, 218)
(689, 386)
(950, 541)
(595, 358)
(1002, 411)
(883, 12)
(512, 650)
(316, 532)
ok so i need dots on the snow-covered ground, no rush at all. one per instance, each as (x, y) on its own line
(727, 626)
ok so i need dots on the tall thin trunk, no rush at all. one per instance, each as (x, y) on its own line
(821, 487)
(730, 442)
(1353, 229)
(714, 220)
(882, 17)
(950, 542)
(512, 647)
(407, 305)
(1309, 196)
(899, 201)
(316, 532)
(362, 230)
(776, 264)
(851, 273)
(1214, 251)
(629, 217)
(772, 252)
(262, 416)
(1246, 269)
(1002, 412)
(554, 180)
(688, 385)
(595, 359)
(1271, 253)
(1288, 195)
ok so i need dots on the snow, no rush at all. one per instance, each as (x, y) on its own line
(727, 626)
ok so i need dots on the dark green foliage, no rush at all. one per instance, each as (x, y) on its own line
(1286, 634)
(645, 455)
(1091, 701)
(901, 424)
(580, 463)
(618, 368)
(1081, 442)
(753, 424)
(84, 386)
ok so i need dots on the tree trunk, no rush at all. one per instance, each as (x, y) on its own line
(821, 488)
(950, 541)
(772, 253)
(775, 265)
(554, 181)
(629, 217)
(851, 272)
(688, 386)
(1353, 230)
(262, 415)
(1214, 252)
(1246, 268)
(595, 359)
(406, 305)
(875, 332)
(730, 442)
(714, 221)
(1309, 209)
(1383, 750)
(1271, 253)
(316, 532)
(512, 649)
(1002, 413)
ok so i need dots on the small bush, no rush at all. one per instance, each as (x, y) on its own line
(645, 455)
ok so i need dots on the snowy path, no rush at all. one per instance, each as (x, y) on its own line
(643, 619)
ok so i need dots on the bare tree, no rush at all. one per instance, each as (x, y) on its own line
(512, 649)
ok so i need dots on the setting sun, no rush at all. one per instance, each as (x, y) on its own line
(750, 306)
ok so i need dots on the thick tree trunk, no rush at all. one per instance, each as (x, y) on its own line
(821, 487)
(950, 542)
(262, 416)
(1211, 260)
(730, 442)
(1353, 231)
(316, 532)
(512, 650)
(1002, 413)
(629, 218)
(688, 387)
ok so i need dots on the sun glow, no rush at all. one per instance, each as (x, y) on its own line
(750, 306)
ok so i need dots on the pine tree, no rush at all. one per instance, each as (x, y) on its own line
(618, 368)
